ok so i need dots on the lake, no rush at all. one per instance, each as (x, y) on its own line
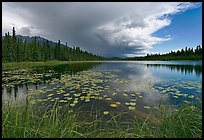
(107, 88)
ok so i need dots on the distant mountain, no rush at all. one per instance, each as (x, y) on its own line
(30, 39)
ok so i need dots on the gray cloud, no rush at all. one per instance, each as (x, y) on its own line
(107, 29)
(25, 30)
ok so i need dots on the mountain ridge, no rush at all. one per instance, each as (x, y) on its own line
(30, 39)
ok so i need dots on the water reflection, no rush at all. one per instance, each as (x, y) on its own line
(138, 76)
(186, 69)
(141, 77)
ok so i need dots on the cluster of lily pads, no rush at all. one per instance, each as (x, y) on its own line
(12, 78)
(187, 90)
(103, 87)
(85, 87)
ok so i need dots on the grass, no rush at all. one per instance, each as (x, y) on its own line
(25, 121)
(17, 65)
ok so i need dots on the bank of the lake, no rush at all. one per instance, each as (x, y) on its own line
(17, 65)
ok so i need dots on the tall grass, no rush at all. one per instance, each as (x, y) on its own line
(20, 65)
(25, 121)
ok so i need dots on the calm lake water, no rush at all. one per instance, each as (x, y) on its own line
(100, 87)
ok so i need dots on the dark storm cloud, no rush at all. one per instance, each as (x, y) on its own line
(107, 29)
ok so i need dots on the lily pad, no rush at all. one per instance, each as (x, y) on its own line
(108, 99)
(106, 112)
(75, 101)
(67, 94)
(146, 107)
(118, 103)
(100, 98)
(137, 93)
(127, 103)
(132, 103)
(72, 105)
(69, 98)
(77, 95)
(125, 95)
(186, 101)
(50, 95)
(191, 96)
(70, 111)
(131, 108)
(87, 100)
(113, 105)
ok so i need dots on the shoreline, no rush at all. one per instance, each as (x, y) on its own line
(13, 65)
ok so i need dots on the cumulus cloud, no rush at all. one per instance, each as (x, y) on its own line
(137, 32)
(107, 29)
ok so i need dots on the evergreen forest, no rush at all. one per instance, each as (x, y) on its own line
(183, 54)
(15, 49)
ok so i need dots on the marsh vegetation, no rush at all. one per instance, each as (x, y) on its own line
(102, 99)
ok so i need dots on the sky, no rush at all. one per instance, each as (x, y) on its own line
(109, 29)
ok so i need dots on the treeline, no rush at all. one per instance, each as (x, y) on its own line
(183, 54)
(16, 49)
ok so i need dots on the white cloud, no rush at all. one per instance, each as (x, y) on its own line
(128, 33)
(13, 16)
(109, 29)
(11, 19)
